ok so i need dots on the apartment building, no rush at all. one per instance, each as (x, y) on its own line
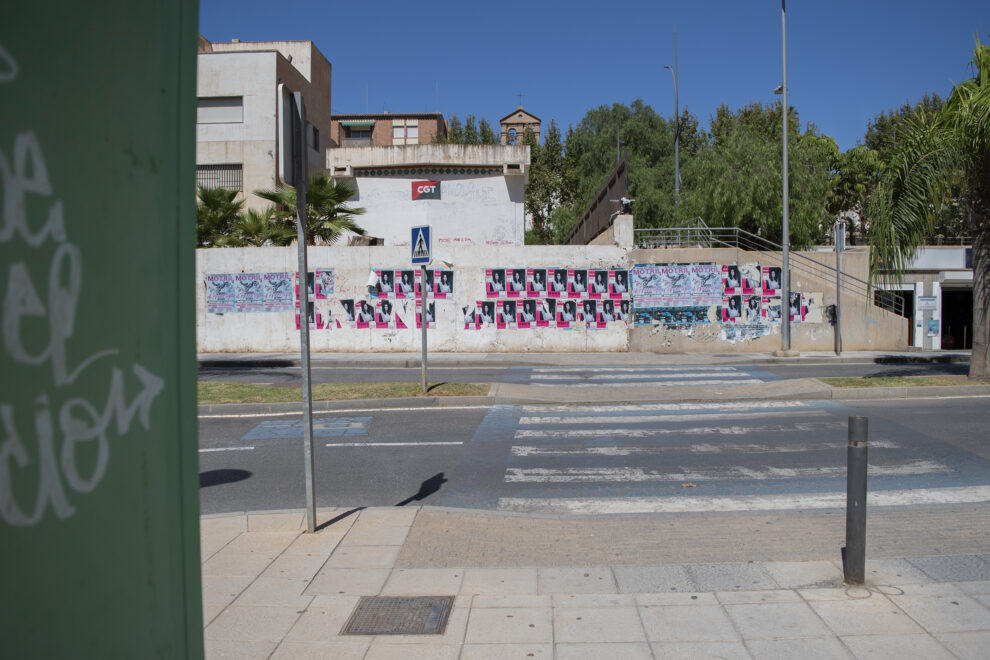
(237, 114)
(385, 129)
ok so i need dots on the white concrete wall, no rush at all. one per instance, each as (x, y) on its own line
(864, 326)
(472, 210)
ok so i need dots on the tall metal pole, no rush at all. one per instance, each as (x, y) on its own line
(300, 176)
(785, 328)
(422, 320)
(840, 244)
(854, 552)
(677, 127)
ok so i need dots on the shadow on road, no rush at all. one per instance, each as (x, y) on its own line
(218, 477)
(426, 489)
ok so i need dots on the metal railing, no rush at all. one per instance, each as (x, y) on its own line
(702, 236)
(601, 211)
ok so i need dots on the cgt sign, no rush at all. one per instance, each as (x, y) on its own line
(425, 190)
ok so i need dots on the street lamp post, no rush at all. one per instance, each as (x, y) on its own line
(785, 327)
(677, 127)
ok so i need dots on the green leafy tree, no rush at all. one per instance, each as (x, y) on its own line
(485, 132)
(470, 133)
(737, 181)
(455, 131)
(851, 185)
(216, 214)
(544, 191)
(881, 133)
(259, 229)
(327, 213)
(940, 156)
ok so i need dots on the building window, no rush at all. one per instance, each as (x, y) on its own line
(314, 137)
(220, 110)
(512, 136)
(360, 133)
(412, 132)
(230, 177)
(405, 131)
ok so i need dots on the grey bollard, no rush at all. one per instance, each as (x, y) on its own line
(854, 554)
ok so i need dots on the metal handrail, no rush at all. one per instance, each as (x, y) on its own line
(702, 236)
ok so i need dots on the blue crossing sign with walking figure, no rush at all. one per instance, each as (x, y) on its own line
(420, 245)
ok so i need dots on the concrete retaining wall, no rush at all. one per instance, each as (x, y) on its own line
(865, 327)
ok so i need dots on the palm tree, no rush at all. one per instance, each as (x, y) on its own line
(327, 212)
(258, 229)
(216, 213)
(941, 149)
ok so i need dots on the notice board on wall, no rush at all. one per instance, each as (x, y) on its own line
(99, 481)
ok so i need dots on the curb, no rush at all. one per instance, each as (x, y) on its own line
(349, 404)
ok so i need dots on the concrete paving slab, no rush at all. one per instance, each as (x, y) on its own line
(364, 556)
(511, 600)
(321, 543)
(894, 571)
(322, 621)
(275, 522)
(593, 600)
(499, 581)
(966, 645)
(848, 592)
(424, 582)
(388, 650)
(645, 579)
(819, 648)
(229, 563)
(216, 649)
(252, 624)
(211, 542)
(729, 577)
(507, 651)
(776, 621)
(686, 598)
(521, 625)
(766, 596)
(896, 647)
(295, 566)
(598, 651)
(945, 614)
(348, 581)
(262, 542)
(958, 568)
(380, 527)
(597, 624)
(276, 591)
(224, 588)
(351, 649)
(687, 623)
(867, 616)
(980, 587)
(211, 608)
(591, 580)
(804, 574)
(695, 650)
(983, 598)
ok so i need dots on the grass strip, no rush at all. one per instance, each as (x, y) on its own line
(902, 381)
(213, 392)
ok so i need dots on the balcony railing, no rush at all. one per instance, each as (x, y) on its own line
(355, 142)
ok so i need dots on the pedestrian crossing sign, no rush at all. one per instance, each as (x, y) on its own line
(420, 245)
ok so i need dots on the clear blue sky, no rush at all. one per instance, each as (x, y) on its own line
(847, 60)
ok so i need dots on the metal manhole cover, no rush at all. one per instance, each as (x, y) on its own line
(383, 615)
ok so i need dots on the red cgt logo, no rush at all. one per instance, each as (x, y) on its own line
(425, 190)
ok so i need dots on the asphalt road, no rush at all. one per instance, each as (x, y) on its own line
(586, 459)
(325, 374)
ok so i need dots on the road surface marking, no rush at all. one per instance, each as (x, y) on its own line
(643, 419)
(726, 405)
(696, 430)
(389, 444)
(665, 383)
(706, 448)
(642, 376)
(342, 411)
(693, 504)
(632, 369)
(637, 475)
(211, 449)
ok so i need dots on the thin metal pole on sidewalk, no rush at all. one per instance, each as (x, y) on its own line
(854, 554)
(300, 177)
(840, 245)
(422, 320)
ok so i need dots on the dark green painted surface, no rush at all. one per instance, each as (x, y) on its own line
(98, 459)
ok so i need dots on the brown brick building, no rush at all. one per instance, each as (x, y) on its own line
(386, 129)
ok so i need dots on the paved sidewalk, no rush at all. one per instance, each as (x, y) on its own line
(271, 590)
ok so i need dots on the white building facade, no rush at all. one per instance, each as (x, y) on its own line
(467, 194)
